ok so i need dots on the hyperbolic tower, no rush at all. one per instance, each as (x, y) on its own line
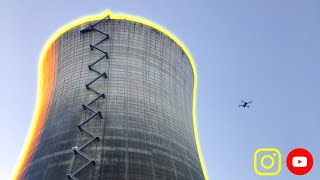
(117, 103)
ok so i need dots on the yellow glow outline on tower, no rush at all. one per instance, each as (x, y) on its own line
(35, 122)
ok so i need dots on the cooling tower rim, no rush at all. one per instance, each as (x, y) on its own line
(119, 16)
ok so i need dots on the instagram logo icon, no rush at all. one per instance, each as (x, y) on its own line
(267, 161)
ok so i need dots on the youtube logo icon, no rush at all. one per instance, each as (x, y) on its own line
(299, 161)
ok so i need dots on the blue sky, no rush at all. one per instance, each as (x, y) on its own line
(262, 50)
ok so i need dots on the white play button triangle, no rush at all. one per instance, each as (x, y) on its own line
(299, 161)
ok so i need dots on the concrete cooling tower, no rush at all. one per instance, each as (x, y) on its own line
(116, 100)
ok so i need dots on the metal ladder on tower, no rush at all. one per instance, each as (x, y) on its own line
(86, 107)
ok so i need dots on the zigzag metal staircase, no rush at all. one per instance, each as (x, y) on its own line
(94, 113)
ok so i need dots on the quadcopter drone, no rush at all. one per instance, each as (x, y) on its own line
(245, 104)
